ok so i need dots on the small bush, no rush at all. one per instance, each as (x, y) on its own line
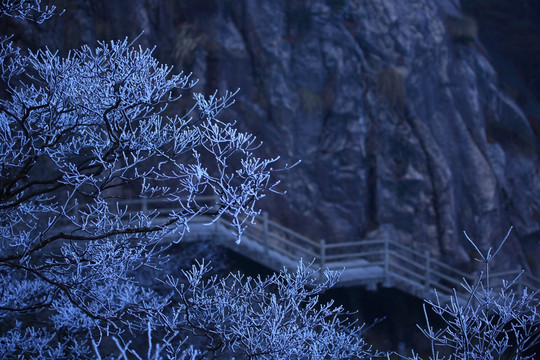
(391, 86)
(462, 30)
(187, 40)
(488, 323)
(310, 101)
(299, 18)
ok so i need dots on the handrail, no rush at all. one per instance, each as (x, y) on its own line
(293, 233)
(432, 272)
(354, 243)
(445, 266)
(417, 270)
(348, 256)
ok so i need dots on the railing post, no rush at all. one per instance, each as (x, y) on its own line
(215, 227)
(323, 253)
(265, 227)
(520, 283)
(428, 271)
(144, 204)
(386, 262)
(77, 211)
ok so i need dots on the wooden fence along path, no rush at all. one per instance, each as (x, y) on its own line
(363, 262)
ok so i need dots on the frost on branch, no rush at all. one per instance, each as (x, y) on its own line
(26, 10)
(237, 317)
(84, 141)
(488, 323)
(279, 317)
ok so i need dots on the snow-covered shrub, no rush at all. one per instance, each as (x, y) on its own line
(278, 317)
(487, 324)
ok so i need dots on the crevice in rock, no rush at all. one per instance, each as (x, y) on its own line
(431, 174)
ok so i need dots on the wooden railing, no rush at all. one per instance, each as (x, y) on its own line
(382, 261)
(366, 262)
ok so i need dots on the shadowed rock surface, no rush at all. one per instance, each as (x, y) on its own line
(393, 107)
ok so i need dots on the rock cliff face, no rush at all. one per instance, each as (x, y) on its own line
(392, 106)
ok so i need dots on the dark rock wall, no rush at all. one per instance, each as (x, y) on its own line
(392, 106)
(512, 28)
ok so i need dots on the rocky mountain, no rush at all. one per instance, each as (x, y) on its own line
(394, 108)
(511, 30)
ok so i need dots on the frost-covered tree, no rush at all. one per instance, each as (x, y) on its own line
(26, 10)
(275, 318)
(84, 140)
(487, 324)
(82, 137)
